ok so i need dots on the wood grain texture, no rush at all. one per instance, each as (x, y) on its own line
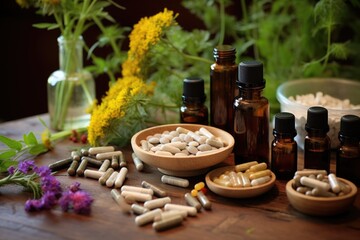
(269, 216)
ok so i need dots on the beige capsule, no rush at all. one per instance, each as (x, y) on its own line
(107, 155)
(167, 223)
(103, 149)
(105, 176)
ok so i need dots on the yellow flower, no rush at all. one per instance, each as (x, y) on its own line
(45, 138)
(146, 33)
(113, 106)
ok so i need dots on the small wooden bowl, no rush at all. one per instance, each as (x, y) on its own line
(234, 192)
(321, 206)
(182, 165)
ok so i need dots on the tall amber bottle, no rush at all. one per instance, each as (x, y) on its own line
(251, 117)
(284, 147)
(317, 143)
(223, 76)
(348, 154)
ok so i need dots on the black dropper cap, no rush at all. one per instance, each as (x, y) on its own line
(285, 124)
(251, 75)
(193, 89)
(350, 126)
(317, 119)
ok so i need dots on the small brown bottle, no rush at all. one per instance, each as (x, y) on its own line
(193, 109)
(284, 147)
(348, 153)
(251, 116)
(317, 142)
(223, 76)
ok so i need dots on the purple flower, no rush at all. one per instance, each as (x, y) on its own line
(48, 200)
(75, 187)
(11, 170)
(26, 165)
(33, 205)
(82, 202)
(43, 171)
(51, 184)
(65, 201)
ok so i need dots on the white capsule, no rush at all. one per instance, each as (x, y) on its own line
(111, 180)
(182, 130)
(107, 155)
(245, 179)
(206, 132)
(164, 140)
(321, 193)
(145, 145)
(192, 149)
(261, 180)
(204, 147)
(96, 150)
(170, 213)
(200, 153)
(308, 172)
(175, 181)
(205, 202)
(119, 181)
(115, 194)
(313, 183)
(334, 183)
(157, 203)
(136, 196)
(93, 174)
(181, 154)
(138, 163)
(138, 209)
(179, 145)
(154, 140)
(193, 143)
(137, 189)
(163, 153)
(191, 211)
(167, 223)
(235, 179)
(169, 148)
(105, 165)
(147, 217)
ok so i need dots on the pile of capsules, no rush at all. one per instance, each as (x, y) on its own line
(159, 210)
(182, 142)
(318, 183)
(245, 175)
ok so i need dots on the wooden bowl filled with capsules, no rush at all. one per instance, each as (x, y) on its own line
(182, 149)
(241, 181)
(324, 195)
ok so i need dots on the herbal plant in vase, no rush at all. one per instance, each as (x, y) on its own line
(71, 89)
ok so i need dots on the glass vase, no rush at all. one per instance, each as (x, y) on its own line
(71, 89)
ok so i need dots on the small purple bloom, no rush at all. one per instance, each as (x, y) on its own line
(51, 184)
(48, 200)
(33, 205)
(82, 202)
(65, 201)
(75, 187)
(11, 170)
(43, 171)
(26, 165)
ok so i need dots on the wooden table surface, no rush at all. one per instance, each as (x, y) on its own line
(269, 216)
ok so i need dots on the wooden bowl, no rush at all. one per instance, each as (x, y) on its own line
(321, 206)
(182, 165)
(236, 192)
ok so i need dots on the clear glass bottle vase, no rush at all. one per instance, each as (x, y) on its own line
(71, 89)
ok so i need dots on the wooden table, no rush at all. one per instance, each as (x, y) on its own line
(265, 217)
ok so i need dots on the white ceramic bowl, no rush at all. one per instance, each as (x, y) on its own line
(321, 206)
(182, 165)
(338, 88)
(236, 192)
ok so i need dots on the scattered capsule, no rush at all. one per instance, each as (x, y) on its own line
(115, 161)
(194, 192)
(199, 186)
(170, 213)
(80, 170)
(61, 164)
(138, 209)
(72, 169)
(103, 149)
(105, 176)
(147, 217)
(191, 211)
(88, 173)
(122, 161)
(334, 183)
(137, 189)
(157, 191)
(75, 155)
(107, 155)
(93, 162)
(205, 202)
(111, 180)
(192, 201)
(84, 152)
(138, 163)
(105, 165)
(115, 194)
(175, 181)
(136, 196)
(119, 181)
(167, 223)
(157, 203)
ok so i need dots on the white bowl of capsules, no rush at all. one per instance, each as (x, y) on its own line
(241, 181)
(182, 149)
(315, 192)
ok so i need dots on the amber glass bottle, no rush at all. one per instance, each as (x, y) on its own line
(251, 117)
(284, 147)
(193, 109)
(223, 76)
(317, 142)
(348, 153)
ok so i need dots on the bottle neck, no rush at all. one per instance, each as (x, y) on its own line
(250, 93)
(70, 54)
(349, 141)
(317, 133)
(224, 55)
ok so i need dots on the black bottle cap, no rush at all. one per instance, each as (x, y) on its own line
(193, 88)
(251, 74)
(285, 123)
(317, 119)
(350, 126)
